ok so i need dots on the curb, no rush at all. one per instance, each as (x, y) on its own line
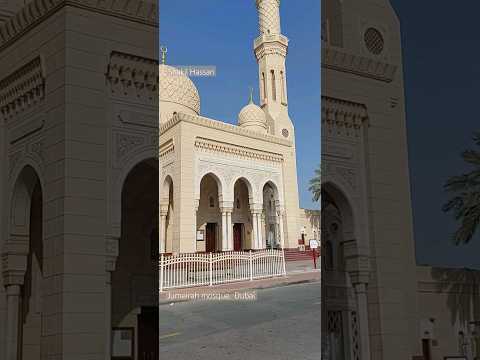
(290, 279)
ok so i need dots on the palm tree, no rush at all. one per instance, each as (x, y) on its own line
(316, 185)
(465, 203)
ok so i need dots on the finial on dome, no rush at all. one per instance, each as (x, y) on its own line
(164, 51)
(250, 101)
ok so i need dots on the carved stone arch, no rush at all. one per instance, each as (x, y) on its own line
(17, 242)
(275, 183)
(166, 183)
(26, 159)
(252, 191)
(343, 201)
(219, 179)
(147, 154)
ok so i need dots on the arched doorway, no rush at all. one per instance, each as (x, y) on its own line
(241, 215)
(32, 295)
(270, 217)
(25, 328)
(167, 218)
(340, 334)
(209, 216)
(135, 279)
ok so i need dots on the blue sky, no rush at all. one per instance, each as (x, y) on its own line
(442, 85)
(221, 33)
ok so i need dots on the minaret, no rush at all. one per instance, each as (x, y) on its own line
(271, 51)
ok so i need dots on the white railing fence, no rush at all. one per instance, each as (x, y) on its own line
(207, 269)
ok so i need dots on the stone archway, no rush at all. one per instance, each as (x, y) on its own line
(135, 280)
(345, 315)
(23, 257)
(167, 215)
(210, 219)
(272, 216)
(241, 215)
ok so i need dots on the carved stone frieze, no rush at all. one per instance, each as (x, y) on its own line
(338, 59)
(344, 118)
(166, 148)
(134, 77)
(213, 146)
(22, 88)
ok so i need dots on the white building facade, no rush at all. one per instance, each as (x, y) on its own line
(230, 187)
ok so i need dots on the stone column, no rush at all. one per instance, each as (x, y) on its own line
(280, 227)
(362, 310)
(224, 230)
(260, 244)
(111, 254)
(13, 316)
(229, 230)
(358, 266)
(14, 263)
(255, 230)
(163, 227)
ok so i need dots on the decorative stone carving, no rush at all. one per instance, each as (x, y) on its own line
(134, 76)
(126, 143)
(13, 160)
(348, 176)
(22, 88)
(269, 17)
(212, 146)
(338, 59)
(37, 149)
(340, 117)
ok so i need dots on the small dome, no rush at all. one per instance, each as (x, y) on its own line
(177, 92)
(252, 117)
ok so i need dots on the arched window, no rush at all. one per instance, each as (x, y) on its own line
(274, 88)
(264, 88)
(282, 80)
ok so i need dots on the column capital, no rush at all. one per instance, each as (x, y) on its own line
(163, 209)
(256, 208)
(14, 260)
(111, 252)
(13, 289)
(226, 206)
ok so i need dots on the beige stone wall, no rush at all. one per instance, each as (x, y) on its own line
(370, 168)
(191, 164)
(309, 224)
(448, 299)
(78, 158)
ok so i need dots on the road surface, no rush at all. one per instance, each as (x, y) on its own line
(282, 323)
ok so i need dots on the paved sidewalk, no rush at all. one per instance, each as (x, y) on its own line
(294, 267)
(296, 274)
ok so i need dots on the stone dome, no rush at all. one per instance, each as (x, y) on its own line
(177, 92)
(252, 117)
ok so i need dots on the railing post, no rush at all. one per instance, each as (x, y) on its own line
(161, 272)
(210, 266)
(251, 265)
(284, 265)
